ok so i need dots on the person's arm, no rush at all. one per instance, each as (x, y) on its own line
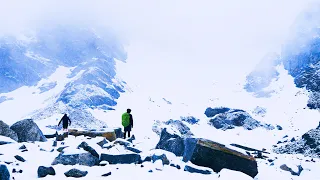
(69, 121)
(60, 122)
(131, 120)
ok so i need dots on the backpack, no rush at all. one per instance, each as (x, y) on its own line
(125, 119)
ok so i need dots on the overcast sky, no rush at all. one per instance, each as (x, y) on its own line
(173, 41)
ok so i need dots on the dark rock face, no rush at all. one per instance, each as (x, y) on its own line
(75, 173)
(107, 174)
(86, 159)
(44, 171)
(216, 156)
(308, 144)
(6, 131)
(226, 118)
(27, 130)
(121, 158)
(4, 173)
(171, 142)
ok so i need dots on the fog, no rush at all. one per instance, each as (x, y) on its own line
(172, 45)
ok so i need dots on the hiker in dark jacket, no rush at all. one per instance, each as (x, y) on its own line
(127, 122)
(65, 122)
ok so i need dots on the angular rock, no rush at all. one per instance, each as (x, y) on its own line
(76, 173)
(171, 141)
(22, 147)
(190, 119)
(180, 126)
(59, 137)
(4, 172)
(103, 142)
(27, 130)
(44, 171)
(89, 149)
(86, 159)
(286, 168)
(107, 174)
(6, 131)
(197, 169)
(119, 133)
(135, 150)
(216, 156)
(60, 149)
(19, 158)
(48, 136)
(121, 158)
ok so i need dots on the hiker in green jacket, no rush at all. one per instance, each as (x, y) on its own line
(127, 122)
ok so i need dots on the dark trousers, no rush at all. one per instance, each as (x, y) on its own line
(127, 129)
(124, 134)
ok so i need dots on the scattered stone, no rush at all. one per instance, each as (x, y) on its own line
(75, 173)
(286, 168)
(104, 163)
(59, 137)
(54, 144)
(103, 142)
(89, 149)
(22, 147)
(24, 150)
(150, 171)
(86, 159)
(197, 169)
(279, 127)
(60, 149)
(121, 158)
(135, 150)
(19, 158)
(107, 174)
(44, 171)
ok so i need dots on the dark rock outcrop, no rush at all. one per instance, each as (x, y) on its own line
(226, 118)
(27, 130)
(6, 131)
(190, 119)
(308, 145)
(76, 173)
(4, 173)
(44, 171)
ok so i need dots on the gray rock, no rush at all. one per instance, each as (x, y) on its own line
(6, 131)
(76, 173)
(86, 159)
(89, 149)
(103, 142)
(4, 173)
(286, 168)
(27, 130)
(44, 171)
(121, 158)
(171, 142)
(19, 158)
(196, 169)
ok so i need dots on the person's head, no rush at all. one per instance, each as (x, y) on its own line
(128, 110)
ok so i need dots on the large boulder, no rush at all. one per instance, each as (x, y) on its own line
(171, 141)
(203, 152)
(4, 173)
(27, 130)
(176, 125)
(6, 131)
(81, 157)
(226, 118)
(217, 156)
(89, 149)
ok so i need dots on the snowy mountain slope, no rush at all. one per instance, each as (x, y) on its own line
(67, 67)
